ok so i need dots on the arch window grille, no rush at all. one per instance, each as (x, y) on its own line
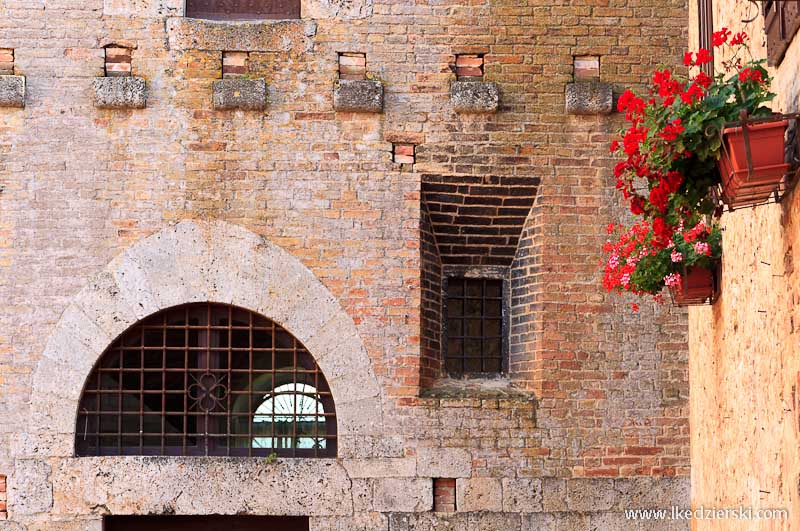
(207, 379)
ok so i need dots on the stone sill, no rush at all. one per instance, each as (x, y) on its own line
(264, 36)
(475, 388)
(358, 96)
(588, 97)
(128, 92)
(240, 94)
(12, 91)
(474, 96)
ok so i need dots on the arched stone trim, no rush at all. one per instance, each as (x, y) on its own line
(195, 261)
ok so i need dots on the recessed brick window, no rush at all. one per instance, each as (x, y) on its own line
(586, 68)
(3, 498)
(118, 61)
(352, 65)
(235, 64)
(469, 66)
(404, 153)
(474, 326)
(6, 61)
(444, 495)
(206, 379)
(250, 10)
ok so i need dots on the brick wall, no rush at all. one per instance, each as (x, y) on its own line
(431, 302)
(3, 498)
(80, 184)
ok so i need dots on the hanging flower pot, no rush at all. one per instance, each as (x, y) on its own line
(752, 164)
(698, 285)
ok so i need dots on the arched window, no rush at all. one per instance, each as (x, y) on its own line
(243, 9)
(206, 379)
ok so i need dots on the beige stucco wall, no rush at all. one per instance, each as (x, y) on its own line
(744, 350)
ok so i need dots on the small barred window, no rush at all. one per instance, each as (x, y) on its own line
(207, 379)
(474, 326)
(243, 9)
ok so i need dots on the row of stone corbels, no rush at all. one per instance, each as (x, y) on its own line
(361, 96)
(366, 96)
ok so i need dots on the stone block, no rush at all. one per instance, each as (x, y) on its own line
(403, 495)
(444, 463)
(120, 92)
(351, 95)
(12, 91)
(585, 495)
(30, 490)
(213, 35)
(242, 94)
(218, 485)
(522, 495)
(589, 97)
(652, 493)
(380, 468)
(479, 494)
(474, 96)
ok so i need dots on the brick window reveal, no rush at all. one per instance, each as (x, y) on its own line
(243, 9)
(469, 66)
(3, 498)
(586, 68)
(206, 379)
(474, 326)
(352, 65)
(444, 495)
(235, 64)
(6, 61)
(118, 61)
(404, 153)
(781, 22)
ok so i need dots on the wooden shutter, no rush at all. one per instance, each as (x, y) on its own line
(781, 21)
(705, 17)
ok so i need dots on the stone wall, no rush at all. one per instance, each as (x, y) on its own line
(83, 188)
(743, 351)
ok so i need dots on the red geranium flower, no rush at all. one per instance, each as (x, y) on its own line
(694, 93)
(703, 57)
(718, 38)
(750, 74)
(671, 131)
(704, 80)
(739, 38)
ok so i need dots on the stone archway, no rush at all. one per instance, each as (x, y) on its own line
(195, 261)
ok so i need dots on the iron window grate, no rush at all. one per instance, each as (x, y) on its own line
(207, 379)
(474, 324)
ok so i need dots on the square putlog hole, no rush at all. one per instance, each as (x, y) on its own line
(404, 153)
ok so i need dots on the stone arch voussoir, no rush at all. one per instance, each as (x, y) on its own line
(199, 261)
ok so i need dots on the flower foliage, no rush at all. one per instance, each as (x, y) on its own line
(668, 153)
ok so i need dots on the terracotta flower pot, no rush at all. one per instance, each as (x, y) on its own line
(699, 285)
(739, 185)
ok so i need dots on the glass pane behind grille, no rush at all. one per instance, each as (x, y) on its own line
(207, 379)
(474, 326)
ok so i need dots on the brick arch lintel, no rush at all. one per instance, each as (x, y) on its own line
(201, 261)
